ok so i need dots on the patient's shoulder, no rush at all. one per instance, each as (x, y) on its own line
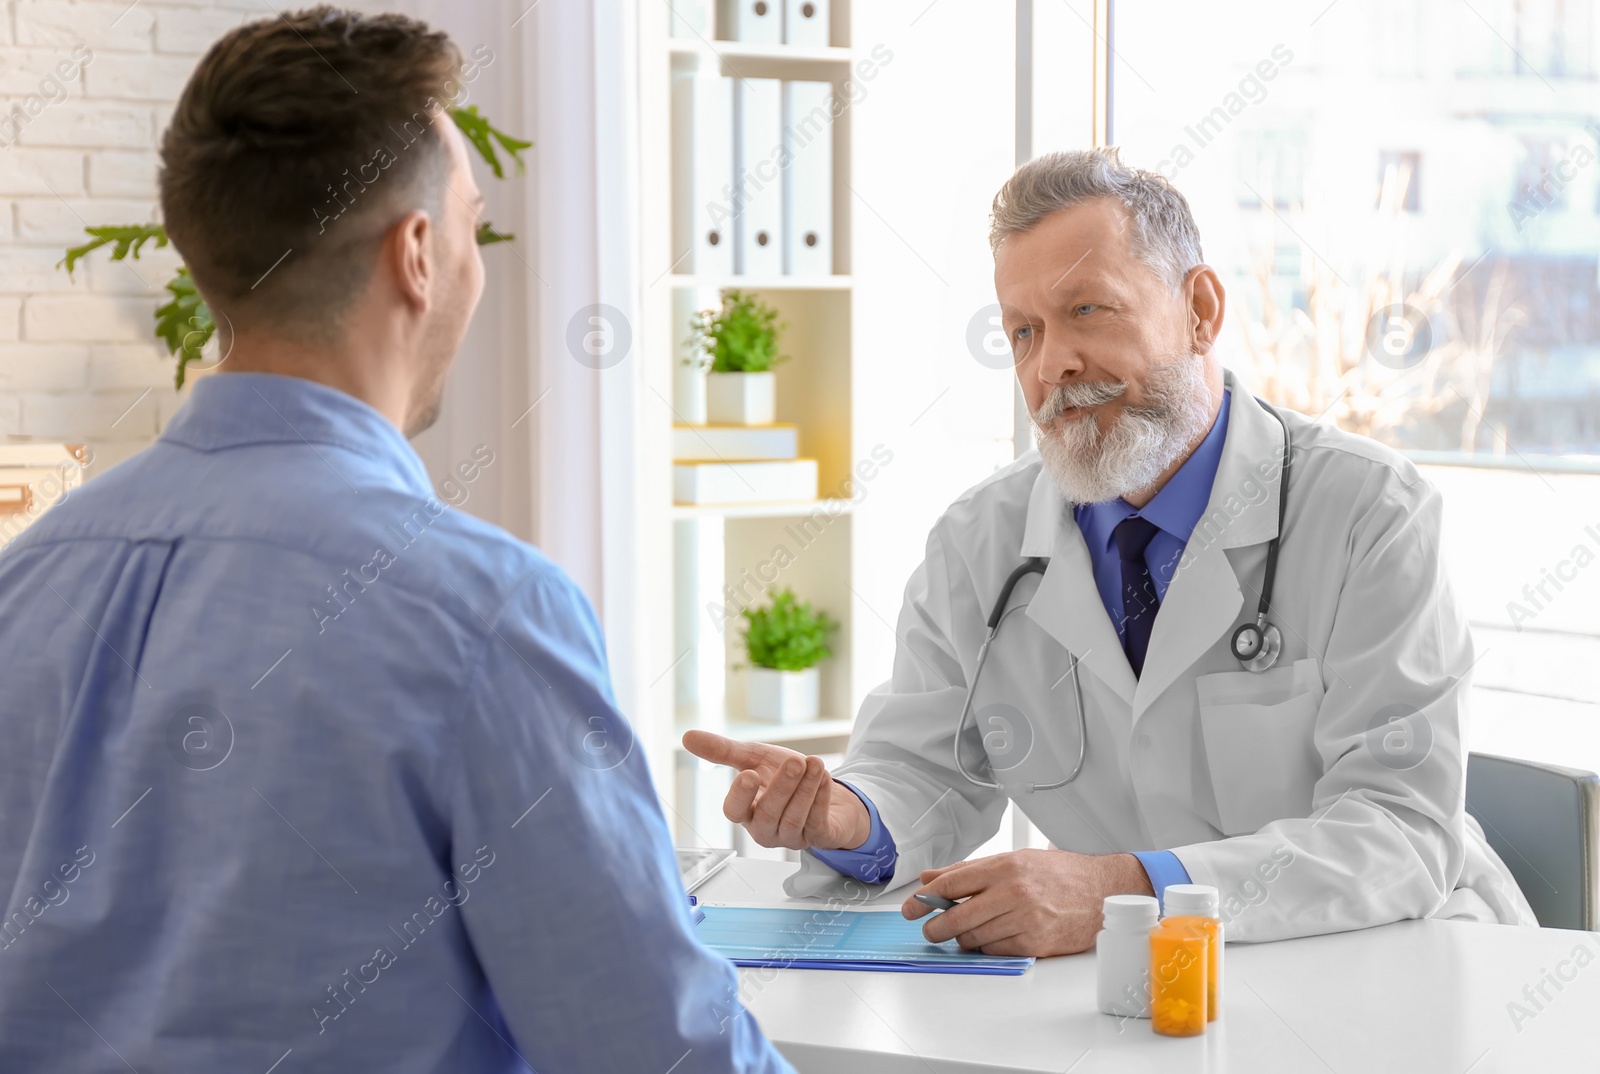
(480, 568)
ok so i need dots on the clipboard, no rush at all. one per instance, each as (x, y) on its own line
(830, 939)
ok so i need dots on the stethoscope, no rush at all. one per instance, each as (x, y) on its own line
(1255, 645)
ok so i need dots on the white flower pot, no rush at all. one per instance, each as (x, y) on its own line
(741, 398)
(783, 696)
(689, 395)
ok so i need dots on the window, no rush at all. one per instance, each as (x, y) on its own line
(1271, 168)
(1398, 180)
(1555, 38)
(1460, 325)
(1523, 39)
(1542, 176)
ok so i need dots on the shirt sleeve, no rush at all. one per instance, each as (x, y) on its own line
(1164, 869)
(574, 904)
(873, 861)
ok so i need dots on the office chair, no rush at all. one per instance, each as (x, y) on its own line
(1544, 822)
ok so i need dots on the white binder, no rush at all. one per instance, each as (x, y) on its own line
(808, 181)
(758, 177)
(757, 22)
(703, 170)
(805, 22)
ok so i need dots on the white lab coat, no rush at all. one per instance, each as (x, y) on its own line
(1271, 787)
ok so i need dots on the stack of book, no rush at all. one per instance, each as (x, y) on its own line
(740, 464)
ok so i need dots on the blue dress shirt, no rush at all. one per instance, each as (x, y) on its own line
(873, 861)
(305, 771)
(1176, 508)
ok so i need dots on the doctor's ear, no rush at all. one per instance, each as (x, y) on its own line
(1207, 301)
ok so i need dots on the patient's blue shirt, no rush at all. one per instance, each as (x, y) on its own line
(302, 770)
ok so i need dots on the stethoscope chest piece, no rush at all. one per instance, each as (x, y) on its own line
(1257, 647)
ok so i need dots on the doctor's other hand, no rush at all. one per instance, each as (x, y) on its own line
(1026, 903)
(784, 798)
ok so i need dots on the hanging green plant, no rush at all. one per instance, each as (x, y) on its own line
(185, 323)
(483, 135)
(128, 239)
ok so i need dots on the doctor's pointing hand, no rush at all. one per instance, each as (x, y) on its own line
(784, 798)
(1028, 902)
(1192, 637)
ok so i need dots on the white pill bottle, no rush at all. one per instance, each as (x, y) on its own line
(1122, 955)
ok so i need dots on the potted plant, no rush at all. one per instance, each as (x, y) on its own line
(738, 344)
(785, 641)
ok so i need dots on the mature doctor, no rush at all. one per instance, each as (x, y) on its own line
(1320, 794)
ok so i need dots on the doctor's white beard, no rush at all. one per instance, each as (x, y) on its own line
(1090, 467)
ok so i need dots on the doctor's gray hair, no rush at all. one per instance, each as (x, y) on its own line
(1165, 237)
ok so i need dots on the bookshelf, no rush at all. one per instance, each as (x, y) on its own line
(708, 560)
(881, 374)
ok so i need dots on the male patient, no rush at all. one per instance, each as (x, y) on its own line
(300, 767)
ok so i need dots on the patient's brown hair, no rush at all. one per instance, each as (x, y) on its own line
(298, 142)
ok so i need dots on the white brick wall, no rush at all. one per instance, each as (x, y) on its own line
(78, 358)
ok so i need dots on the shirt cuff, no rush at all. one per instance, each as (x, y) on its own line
(873, 861)
(1163, 868)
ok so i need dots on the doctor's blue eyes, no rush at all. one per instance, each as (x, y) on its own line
(1024, 333)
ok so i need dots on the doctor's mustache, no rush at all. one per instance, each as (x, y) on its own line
(1089, 393)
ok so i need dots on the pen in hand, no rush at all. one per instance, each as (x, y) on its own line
(938, 902)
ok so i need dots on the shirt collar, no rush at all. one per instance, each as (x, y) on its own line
(1179, 503)
(227, 410)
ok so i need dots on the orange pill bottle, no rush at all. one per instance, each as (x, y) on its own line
(1178, 978)
(1195, 905)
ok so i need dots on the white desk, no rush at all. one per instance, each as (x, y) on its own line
(1415, 997)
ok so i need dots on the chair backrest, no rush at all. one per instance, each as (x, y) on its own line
(1543, 820)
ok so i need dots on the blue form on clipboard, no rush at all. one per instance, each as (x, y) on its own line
(826, 939)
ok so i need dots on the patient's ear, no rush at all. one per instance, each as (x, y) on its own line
(408, 256)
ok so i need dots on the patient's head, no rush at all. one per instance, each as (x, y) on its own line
(1111, 316)
(323, 200)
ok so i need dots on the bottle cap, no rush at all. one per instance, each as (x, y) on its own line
(1182, 900)
(1130, 912)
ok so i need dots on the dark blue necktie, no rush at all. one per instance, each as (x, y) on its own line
(1139, 603)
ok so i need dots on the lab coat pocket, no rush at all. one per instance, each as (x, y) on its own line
(1257, 729)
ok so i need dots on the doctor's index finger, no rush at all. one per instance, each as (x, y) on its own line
(719, 749)
(963, 879)
(946, 883)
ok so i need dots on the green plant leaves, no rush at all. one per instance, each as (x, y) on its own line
(488, 236)
(741, 337)
(483, 135)
(184, 324)
(788, 634)
(129, 238)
